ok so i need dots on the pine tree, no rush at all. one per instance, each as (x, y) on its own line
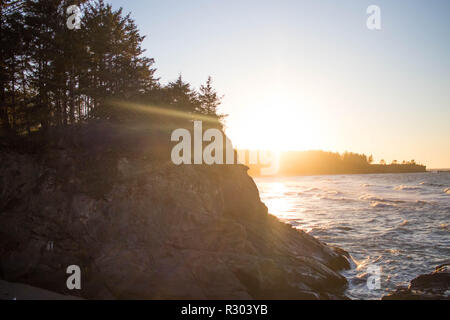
(11, 53)
(52, 76)
(116, 69)
(181, 96)
(209, 99)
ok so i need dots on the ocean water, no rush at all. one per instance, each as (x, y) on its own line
(397, 222)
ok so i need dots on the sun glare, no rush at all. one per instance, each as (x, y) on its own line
(277, 125)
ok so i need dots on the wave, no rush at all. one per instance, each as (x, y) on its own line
(431, 184)
(376, 204)
(404, 223)
(379, 199)
(407, 188)
(304, 194)
(343, 228)
(312, 190)
(366, 185)
(313, 229)
(334, 192)
(325, 197)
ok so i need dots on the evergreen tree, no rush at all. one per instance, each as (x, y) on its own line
(181, 96)
(11, 63)
(52, 76)
(209, 101)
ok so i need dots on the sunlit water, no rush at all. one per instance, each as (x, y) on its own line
(397, 221)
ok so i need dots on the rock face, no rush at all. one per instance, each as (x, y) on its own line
(143, 229)
(433, 286)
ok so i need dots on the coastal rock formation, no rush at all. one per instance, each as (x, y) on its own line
(146, 229)
(433, 286)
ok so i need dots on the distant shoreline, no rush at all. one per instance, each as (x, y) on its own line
(307, 163)
(336, 174)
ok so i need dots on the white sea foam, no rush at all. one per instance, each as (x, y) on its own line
(312, 190)
(373, 198)
(326, 197)
(376, 204)
(407, 188)
(404, 223)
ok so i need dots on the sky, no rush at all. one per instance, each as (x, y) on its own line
(308, 75)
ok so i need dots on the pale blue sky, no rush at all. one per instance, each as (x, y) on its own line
(310, 73)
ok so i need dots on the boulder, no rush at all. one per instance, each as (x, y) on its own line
(433, 286)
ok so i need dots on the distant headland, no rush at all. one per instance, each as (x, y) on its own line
(317, 162)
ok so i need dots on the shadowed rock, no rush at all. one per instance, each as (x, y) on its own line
(433, 286)
(142, 228)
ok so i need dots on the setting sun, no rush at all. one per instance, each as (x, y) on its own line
(276, 123)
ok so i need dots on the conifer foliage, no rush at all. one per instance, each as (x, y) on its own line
(54, 76)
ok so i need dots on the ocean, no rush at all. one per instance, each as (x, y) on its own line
(394, 223)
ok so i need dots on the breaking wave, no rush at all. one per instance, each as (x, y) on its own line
(377, 204)
(369, 197)
(407, 188)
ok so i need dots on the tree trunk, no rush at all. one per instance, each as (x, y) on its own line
(4, 119)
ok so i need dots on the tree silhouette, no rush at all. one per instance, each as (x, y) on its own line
(53, 77)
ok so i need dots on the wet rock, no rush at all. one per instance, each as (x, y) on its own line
(433, 286)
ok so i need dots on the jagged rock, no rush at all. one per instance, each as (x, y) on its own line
(150, 230)
(433, 286)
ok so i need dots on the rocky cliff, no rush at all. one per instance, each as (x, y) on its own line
(141, 228)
